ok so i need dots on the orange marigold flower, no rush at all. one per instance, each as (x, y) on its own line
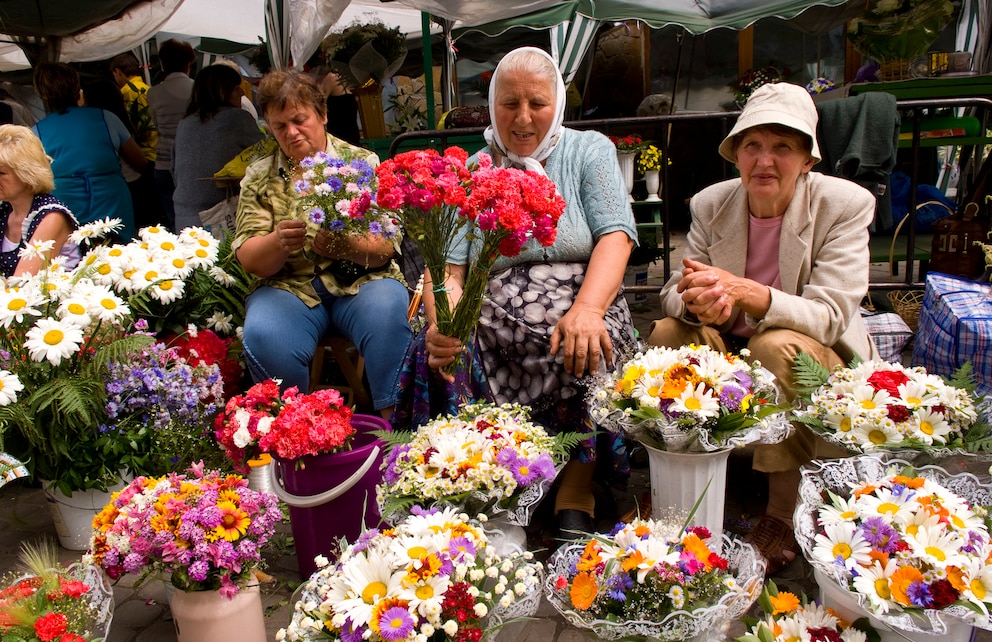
(583, 591)
(956, 578)
(783, 603)
(590, 557)
(699, 550)
(632, 561)
(900, 582)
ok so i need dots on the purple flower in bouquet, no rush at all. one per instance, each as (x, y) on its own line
(338, 195)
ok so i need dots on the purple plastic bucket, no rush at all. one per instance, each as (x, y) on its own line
(326, 493)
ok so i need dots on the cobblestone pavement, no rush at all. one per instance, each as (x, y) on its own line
(142, 613)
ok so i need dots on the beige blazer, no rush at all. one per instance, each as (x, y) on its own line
(823, 258)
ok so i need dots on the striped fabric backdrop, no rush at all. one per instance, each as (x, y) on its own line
(570, 41)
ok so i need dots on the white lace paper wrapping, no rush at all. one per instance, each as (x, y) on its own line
(704, 624)
(839, 476)
(668, 435)
(520, 514)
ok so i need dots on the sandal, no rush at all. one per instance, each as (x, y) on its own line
(641, 509)
(773, 538)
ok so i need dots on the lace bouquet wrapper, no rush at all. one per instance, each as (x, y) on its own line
(433, 576)
(651, 580)
(55, 603)
(911, 545)
(878, 407)
(692, 399)
(486, 459)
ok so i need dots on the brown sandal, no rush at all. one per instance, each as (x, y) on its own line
(773, 537)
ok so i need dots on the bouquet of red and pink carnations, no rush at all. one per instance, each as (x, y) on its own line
(288, 425)
(436, 195)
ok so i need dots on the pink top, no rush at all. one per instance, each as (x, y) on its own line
(762, 261)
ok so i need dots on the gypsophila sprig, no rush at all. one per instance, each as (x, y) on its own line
(692, 399)
(878, 405)
(485, 459)
(48, 602)
(788, 617)
(433, 576)
(203, 530)
(654, 578)
(338, 195)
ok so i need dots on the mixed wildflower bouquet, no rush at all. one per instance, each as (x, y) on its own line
(486, 459)
(435, 195)
(912, 551)
(159, 409)
(649, 159)
(788, 617)
(692, 399)
(202, 529)
(432, 576)
(899, 29)
(339, 196)
(630, 143)
(289, 426)
(46, 601)
(205, 347)
(882, 406)
(653, 578)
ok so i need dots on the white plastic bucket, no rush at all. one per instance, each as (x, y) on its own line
(73, 515)
(679, 479)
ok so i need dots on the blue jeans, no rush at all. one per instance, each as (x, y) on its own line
(281, 334)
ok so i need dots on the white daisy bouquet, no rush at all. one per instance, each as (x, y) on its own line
(654, 579)
(486, 459)
(788, 617)
(61, 332)
(692, 399)
(433, 576)
(881, 406)
(912, 546)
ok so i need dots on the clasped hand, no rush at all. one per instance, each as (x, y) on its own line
(707, 292)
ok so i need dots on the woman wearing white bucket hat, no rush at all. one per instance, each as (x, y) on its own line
(775, 261)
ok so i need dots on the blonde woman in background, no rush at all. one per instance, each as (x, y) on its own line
(28, 211)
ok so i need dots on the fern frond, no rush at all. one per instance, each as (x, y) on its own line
(394, 438)
(808, 374)
(565, 443)
(964, 378)
(398, 504)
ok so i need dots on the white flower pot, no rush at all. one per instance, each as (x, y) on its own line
(73, 514)
(626, 160)
(652, 180)
(678, 480)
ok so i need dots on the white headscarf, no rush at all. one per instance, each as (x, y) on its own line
(553, 135)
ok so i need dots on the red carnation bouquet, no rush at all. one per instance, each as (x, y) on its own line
(435, 195)
(289, 425)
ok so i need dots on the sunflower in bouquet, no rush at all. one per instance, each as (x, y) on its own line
(691, 399)
(880, 406)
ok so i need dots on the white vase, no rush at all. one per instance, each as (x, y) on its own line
(679, 479)
(259, 473)
(626, 160)
(73, 514)
(652, 180)
(844, 602)
(200, 616)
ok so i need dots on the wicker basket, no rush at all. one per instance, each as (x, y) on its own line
(897, 69)
(907, 304)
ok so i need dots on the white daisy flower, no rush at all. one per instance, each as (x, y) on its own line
(53, 339)
(929, 426)
(75, 309)
(842, 544)
(18, 304)
(10, 385)
(936, 545)
(873, 582)
(699, 401)
(37, 249)
(876, 434)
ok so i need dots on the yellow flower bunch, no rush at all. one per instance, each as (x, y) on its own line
(649, 159)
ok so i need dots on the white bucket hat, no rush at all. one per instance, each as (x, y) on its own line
(778, 103)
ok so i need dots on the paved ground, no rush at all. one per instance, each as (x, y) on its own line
(142, 614)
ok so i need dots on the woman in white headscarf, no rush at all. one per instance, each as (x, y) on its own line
(552, 316)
